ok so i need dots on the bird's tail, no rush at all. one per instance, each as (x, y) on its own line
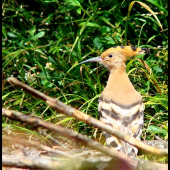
(130, 150)
(120, 145)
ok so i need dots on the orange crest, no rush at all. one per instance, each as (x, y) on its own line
(127, 51)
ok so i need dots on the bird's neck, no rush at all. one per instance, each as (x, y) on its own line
(119, 79)
(120, 89)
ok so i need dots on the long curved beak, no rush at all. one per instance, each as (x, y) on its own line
(95, 59)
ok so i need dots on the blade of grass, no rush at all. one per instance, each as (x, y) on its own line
(129, 10)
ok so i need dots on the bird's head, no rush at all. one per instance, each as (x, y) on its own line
(115, 57)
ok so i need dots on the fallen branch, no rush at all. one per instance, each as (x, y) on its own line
(27, 143)
(124, 160)
(38, 163)
(69, 111)
(120, 161)
(72, 164)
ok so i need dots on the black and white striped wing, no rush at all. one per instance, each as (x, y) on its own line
(126, 118)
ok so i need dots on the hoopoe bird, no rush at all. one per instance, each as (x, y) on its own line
(120, 105)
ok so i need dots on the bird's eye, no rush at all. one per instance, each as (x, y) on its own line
(110, 55)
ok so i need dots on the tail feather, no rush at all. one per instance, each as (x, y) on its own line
(120, 145)
(131, 150)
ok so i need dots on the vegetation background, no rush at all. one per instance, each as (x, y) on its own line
(43, 40)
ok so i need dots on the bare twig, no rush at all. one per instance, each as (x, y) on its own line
(69, 111)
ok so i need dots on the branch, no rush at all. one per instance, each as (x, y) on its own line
(71, 112)
(27, 143)
(27, 162)
(72, 164)
(122, 159)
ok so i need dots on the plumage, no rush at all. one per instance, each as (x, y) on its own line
(120, 105)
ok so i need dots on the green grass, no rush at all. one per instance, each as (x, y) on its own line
(43, 41)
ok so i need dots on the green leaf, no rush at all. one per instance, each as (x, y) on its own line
(42, 75)
(4, 32)
(106, 21)
(108, 38)
(73, 2)
(155, 130)
(130, 71)
(157, 68)
(49, 1)
(39, 35)
(64, 120)
(10, 34)
(128, 65)
(50, 85)
(90, 24)
(112, 42)
(32, 31)
(79, 10)
(44, 82)
(104, 29)
(3, 97)
(97, 42)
